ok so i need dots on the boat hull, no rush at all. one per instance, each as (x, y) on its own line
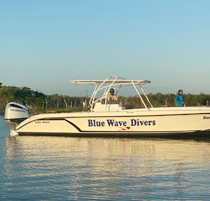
(122, 124)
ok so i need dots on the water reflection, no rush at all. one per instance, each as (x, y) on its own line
(106, 169)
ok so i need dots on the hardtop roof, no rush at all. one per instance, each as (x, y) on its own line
(76, 82)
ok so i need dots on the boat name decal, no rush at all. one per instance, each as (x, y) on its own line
(112, 122)
(205, 117)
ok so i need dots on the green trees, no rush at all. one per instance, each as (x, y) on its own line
(22, 95)
(59, 101)
(197, 100)
(39, 102)
(165, 100)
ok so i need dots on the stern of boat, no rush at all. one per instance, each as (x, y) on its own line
(15, 113)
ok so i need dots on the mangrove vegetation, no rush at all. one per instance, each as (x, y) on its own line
(38, 102)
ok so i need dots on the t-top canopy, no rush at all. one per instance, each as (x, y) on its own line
(114, 82)
(109, 80)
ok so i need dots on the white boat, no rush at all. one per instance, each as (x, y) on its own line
(110, 119)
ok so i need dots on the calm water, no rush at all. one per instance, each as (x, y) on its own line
(62, 168)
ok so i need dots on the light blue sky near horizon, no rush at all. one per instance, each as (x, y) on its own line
(46, 43)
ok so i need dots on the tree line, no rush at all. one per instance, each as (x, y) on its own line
(165, 100)
(38, 102)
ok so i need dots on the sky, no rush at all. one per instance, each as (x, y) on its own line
(46, 43)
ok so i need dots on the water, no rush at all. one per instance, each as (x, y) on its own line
(64, 168)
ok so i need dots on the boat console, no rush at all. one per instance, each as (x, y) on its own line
(101, 107)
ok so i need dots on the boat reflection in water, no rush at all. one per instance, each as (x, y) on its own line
(107, 168)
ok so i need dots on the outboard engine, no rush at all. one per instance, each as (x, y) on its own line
(15, 113)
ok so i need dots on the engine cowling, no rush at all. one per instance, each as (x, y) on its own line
(15, 113)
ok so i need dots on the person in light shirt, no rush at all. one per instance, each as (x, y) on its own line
(179, 99)
(111, 97)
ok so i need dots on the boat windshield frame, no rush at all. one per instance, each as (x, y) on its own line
(116, 83)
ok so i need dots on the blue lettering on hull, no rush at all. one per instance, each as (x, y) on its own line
(114, 123)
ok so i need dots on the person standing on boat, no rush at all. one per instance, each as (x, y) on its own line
(179, 100)
(111, 97)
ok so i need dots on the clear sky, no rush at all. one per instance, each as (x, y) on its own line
(46, 43)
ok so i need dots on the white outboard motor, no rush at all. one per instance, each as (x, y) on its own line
(15, 113)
